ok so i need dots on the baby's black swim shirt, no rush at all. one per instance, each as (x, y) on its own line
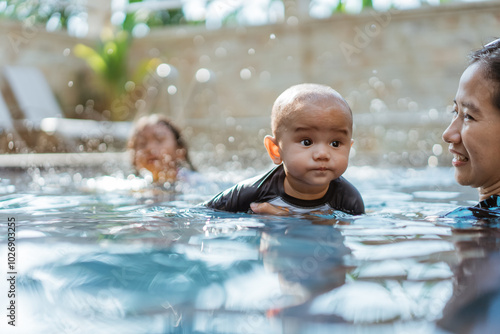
(341, 195)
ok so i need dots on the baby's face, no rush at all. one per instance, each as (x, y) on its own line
(156, 150)
(315, 144)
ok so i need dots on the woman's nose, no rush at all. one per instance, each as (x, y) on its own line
(452, 132)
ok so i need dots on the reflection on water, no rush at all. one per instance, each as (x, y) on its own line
(102, 261)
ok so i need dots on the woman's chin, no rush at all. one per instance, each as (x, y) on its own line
(463, 180)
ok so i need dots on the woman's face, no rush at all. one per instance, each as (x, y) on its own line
(157, 151)
(474, 132)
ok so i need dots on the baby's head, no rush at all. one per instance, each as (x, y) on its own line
(312, 135)
(157, 146)
(294, 99)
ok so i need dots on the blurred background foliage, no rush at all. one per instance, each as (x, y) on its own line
(109, 27)
(138, 16)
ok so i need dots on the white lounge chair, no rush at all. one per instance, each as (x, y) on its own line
(10, 141)
(42, 112)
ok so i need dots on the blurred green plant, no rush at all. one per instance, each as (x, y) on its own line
(108, 60)
(113, 84)
(42, 11)
(58, 13)
(153, 18)
(342, 4)
(341, 7)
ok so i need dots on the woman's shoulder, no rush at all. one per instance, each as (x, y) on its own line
(485, 209)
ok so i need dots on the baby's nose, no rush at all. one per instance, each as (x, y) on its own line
(321, 152)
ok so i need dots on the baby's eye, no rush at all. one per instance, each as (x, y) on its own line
(306, 142)
(335, 143)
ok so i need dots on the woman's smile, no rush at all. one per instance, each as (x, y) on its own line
(473, 134)
(458, 158)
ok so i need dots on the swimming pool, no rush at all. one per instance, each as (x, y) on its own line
(92, 256)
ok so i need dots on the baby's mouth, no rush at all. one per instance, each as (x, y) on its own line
(459, 157)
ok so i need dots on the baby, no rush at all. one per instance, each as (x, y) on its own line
(312, 138)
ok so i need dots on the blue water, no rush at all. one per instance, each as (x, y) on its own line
(108, 255)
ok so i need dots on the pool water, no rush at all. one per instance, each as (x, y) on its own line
(106, 255)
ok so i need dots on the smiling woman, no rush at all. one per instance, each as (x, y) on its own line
(474, 132)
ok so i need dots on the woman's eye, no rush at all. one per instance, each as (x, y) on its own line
(469, 117)
(306, 142)
(335, 143)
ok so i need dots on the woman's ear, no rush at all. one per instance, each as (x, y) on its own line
(273, 149)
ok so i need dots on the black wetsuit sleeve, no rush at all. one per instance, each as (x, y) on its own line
(347, 198)
(356, 205)
(234, 199)
(239, 197)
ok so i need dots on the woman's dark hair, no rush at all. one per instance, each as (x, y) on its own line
(489, 59)
(159, 119)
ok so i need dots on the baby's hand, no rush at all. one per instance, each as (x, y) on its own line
(268, 209)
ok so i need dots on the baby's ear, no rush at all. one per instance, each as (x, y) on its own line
(273, 149)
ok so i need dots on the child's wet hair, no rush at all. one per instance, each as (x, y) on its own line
(286, 102)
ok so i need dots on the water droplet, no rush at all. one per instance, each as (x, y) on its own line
(139, 104)
(129, 86)
(265, 76)
(220, 52)
(154, 52)
(152, 91)
(432, 161)
(272, 36)
(245, 74)
(77, 178)
(163, 70)
(433, 114)
(202, 75)
(140, 30)
(204, 60)
(251, 51)
(292, 21)
(172, 89)
(437, 149)
(198, 40)
(66, 52)
(413, 106)
(70, 83)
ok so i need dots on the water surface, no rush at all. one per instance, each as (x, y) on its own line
(106, 255)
